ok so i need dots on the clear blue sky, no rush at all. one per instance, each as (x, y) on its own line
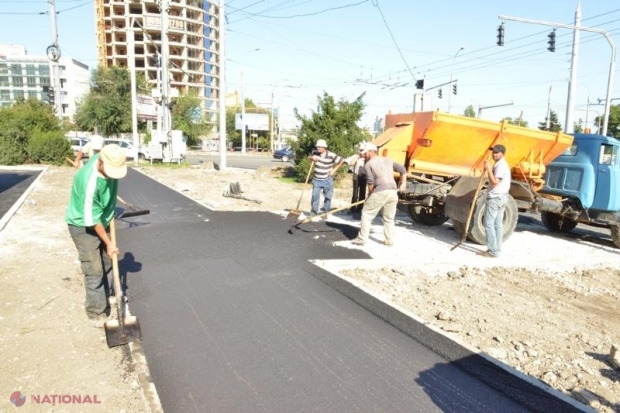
(348, 47)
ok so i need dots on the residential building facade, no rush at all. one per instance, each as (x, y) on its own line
(25, 76)
(192, 39)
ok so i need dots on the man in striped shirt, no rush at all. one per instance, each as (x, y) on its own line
(326, 164)
(91, 209)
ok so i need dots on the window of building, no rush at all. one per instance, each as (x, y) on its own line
(30, 70)
(18, 94)
(44, 70)
(31, 81)
(4, 69)
(45, 81)
(5, 95)
(18, 81)
(16, 69)
(4, 80)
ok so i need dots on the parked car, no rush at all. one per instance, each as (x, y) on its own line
(128, 146)
(286, 154)
(77, 143)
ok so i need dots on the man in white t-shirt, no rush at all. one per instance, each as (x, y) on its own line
(497, 197)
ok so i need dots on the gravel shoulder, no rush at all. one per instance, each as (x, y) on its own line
(548, 307)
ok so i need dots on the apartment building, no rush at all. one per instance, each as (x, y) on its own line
(25, 76)
(192, 39)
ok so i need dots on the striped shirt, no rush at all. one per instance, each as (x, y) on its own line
(93, 197)
(325, 164)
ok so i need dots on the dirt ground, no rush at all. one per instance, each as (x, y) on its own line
(548, 307)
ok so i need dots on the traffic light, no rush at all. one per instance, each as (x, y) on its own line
(50, 96)
(454, 89)
(500, 35)
(439, 93)
(551, 41)
(419, 84)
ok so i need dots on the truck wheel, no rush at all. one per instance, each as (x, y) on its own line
(555, 223)
(477, 231)
(615, 235)
(459, 228)
(426, 215)
(141, 157)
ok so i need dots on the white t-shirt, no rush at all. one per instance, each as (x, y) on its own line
(501, 170)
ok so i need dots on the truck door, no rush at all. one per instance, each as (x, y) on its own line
(607, 179)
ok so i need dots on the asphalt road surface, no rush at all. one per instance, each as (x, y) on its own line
(13, 184)
(236, 319)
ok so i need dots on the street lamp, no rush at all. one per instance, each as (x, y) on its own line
(272, 120)
(243, 103)
(450, 94)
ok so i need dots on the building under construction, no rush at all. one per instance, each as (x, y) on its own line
(192, 39)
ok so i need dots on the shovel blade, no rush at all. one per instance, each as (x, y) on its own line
(293, 214)
(134, 212)
(117, 335)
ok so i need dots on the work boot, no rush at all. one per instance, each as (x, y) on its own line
(358, 241)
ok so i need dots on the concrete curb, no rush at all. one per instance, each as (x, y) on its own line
(149, 392)
(502, 377)
(9, 214)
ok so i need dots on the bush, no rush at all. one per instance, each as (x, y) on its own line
(49, 147)
(10, 152)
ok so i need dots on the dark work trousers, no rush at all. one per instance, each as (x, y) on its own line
(95, 261)
(359, 192)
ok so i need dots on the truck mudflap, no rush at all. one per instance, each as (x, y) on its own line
(459, 199)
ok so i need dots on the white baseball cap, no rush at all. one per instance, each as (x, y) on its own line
(369, 147)
(321, 143)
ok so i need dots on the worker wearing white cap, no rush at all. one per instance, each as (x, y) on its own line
(91, 148)
(326, 164)
(383, 194)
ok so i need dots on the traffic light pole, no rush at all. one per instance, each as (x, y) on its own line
(610, 80)
(54, 72)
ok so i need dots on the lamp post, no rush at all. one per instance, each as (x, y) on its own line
(449, 92)
(243, 137)
(272, 117)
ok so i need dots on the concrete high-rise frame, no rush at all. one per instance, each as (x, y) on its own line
(193, 43)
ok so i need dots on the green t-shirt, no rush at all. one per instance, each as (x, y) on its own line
(93, 197)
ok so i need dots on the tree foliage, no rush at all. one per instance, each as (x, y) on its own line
(470, 112)
(187, 117)
(107, 106)
(613, 127)
(336, 122)
(18, 123)
(578, 126)
(554, 124)
(518, 121)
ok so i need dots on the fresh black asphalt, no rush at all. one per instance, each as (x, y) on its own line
(12, 185)
(235, 318)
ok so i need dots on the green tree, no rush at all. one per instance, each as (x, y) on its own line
(578, 126)
(613, 127)
(107, 106)
(470, 112)
(17, 125)
(518, 121)
(336, 122)
(187, 116)
(554, 124)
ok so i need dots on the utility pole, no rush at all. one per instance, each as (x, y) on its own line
(131, 63)
(549, 110)
(164, 8)
(610, 80)
(569, 125)
(53, 53)
(222, 94)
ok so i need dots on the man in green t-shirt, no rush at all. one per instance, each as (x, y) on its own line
(90, 211)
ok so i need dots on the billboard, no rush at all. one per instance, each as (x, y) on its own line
(146, 107)
(253, 121)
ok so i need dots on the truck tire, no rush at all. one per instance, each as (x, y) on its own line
(477, 231)
(426, 215)
(615, 235)
(552, 221)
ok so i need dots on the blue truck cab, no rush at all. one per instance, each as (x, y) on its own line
(586, 180)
